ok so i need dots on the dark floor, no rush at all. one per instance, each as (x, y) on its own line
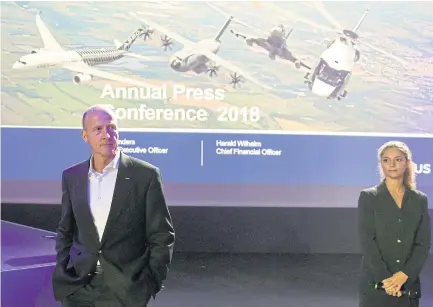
(224, 280)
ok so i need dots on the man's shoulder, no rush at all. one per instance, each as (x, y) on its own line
(75, 168)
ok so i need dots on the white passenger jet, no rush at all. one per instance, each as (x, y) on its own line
(196, 55)
(52, 55)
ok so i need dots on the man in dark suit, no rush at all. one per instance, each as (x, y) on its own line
(115, 237)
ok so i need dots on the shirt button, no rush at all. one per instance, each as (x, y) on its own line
(399, 220)
(399, 241)
(398, 261)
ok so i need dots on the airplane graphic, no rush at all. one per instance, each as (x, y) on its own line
(196, 55)
(81, 61)
(274, 42)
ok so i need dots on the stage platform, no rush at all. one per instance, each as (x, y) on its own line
(27, 261)
(197, 280)
(269, 280)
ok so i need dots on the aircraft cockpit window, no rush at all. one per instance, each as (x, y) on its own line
(22, 62)
(330, 75)
(185, 59)
(33, 52)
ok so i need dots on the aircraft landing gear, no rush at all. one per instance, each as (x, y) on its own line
(342, 95)
(298, 64)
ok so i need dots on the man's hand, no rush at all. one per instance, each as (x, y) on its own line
(393, 284)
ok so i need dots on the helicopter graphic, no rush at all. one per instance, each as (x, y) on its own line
(331, 74)
(332, 71)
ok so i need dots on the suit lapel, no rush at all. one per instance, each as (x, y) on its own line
(82, 208)
(387, 198)
(121, 192)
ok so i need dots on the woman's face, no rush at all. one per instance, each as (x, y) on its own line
(394, 163)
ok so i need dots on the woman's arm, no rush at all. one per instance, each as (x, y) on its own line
(421, 247)
(367, 235)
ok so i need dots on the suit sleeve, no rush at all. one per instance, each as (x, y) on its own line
(160, 231)
(367, 235)
(421, 246)
(65, 228)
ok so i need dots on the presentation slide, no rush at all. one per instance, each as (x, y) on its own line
(280, 104)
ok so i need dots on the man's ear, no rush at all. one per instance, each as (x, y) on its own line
(84, 135)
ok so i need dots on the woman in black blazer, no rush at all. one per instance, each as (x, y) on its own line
(394, 230)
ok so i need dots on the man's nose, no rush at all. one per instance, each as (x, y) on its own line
(107, 135)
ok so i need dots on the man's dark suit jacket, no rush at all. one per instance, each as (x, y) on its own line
(137, 245)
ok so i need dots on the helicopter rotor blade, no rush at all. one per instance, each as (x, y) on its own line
(239, 22)
(235, 20)
(398, 59)
(287, 15)
(325, 13)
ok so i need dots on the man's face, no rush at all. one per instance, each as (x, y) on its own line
(100, 132)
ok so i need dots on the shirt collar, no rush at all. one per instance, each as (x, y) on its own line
(114, 164)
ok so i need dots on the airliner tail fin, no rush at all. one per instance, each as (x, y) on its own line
(129, 41)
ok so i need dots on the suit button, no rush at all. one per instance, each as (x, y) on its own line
(100, 252)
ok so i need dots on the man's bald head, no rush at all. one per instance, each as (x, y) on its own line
(97, 109)
(100, 130)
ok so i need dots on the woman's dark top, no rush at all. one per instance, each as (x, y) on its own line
(392, 240)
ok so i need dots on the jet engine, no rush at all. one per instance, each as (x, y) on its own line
(81, 78)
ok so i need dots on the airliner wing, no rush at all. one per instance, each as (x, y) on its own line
(218, 60)
(48, 39)
(179, 38)
(146, 58)
(88, 70)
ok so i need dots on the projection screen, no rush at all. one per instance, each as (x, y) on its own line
(238, 103)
